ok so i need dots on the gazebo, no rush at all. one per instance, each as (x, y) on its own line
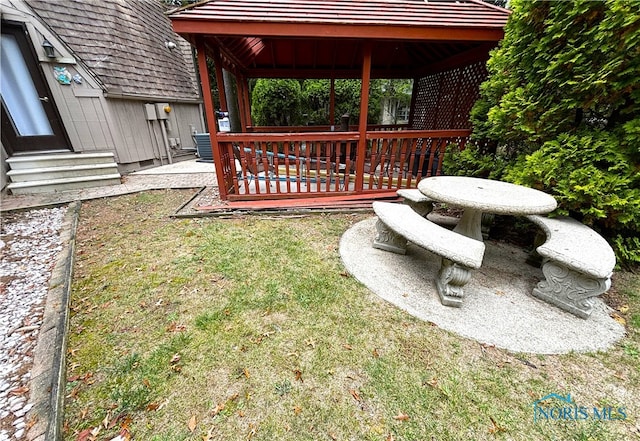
(441, 45)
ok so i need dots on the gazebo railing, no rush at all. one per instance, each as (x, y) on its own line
(281, 165)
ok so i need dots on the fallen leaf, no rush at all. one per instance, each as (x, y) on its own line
(297, 410)
(152, 406)
(298, 374)
(390, 438)
(618, 318)
(74, 393)
(208, 436)
(433, 382)
(83, 413)
(147, 383)
(123, 436)
(19, 391)
(495, 428)
(333, 436)
(401, 417)
(624, 309)
(175, 359)
(193, 422)
(163, 404)
(355, 394)
(376, 354)
(245, 371)
(347, 347)
(85, 435)
(126, 422)
(219, 408)
(253, 430)
(620, 376)
(176, 327)
(310, 342)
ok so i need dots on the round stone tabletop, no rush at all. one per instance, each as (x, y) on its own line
(487, 195)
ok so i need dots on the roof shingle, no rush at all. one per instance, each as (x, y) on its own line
(123, 43)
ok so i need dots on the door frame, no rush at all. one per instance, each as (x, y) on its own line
(12, 142)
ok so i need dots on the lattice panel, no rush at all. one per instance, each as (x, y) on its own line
(444, 100)
(426, 102)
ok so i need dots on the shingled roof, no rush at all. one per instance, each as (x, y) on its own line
(123, 43)
(325, 38)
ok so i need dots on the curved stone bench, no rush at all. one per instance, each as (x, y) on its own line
(577, 264)
(398, 223)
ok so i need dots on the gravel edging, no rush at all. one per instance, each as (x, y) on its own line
(48, 375)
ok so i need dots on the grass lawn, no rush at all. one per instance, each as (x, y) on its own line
(250, 329)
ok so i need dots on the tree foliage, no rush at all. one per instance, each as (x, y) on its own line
(562, 106)
(308, 101)
(276, 102)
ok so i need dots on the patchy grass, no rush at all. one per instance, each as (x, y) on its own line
(249, 328)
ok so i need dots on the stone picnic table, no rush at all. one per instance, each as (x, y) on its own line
(576, 261)
(477, 196)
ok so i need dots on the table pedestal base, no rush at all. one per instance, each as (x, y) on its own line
(451, 278)
(470, 224)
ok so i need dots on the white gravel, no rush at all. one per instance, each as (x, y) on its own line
(29, 244)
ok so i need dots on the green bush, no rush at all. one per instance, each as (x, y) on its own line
(594, 179)
(561, 107)
(276, 102)
(472, 161)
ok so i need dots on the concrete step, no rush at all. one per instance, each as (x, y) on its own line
(63, 184)
(72, 171)
(22, 162)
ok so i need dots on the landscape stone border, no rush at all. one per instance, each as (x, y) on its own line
(48, 375)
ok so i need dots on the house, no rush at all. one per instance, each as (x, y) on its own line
(90, 90)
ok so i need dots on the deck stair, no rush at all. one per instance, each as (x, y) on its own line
(52, 172)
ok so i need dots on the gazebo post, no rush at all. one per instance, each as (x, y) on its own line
(362, 126)
(243, 98)
(211, 116)
(217, 63)
(332, 102)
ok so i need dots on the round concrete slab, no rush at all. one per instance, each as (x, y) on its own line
(498, 308)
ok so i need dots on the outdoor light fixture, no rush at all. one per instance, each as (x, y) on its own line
(49, 50)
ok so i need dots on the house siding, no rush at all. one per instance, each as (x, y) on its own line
(96, 119)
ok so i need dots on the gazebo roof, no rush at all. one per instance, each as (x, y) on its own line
(325, 38)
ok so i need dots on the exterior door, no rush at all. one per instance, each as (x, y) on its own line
(30, 120)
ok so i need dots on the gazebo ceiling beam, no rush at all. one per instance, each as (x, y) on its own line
(354, 73)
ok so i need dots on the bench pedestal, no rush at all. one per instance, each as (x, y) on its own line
(569, 290)
(451, 278)
(388, 240)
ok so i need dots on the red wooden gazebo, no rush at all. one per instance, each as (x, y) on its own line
(442, 45)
